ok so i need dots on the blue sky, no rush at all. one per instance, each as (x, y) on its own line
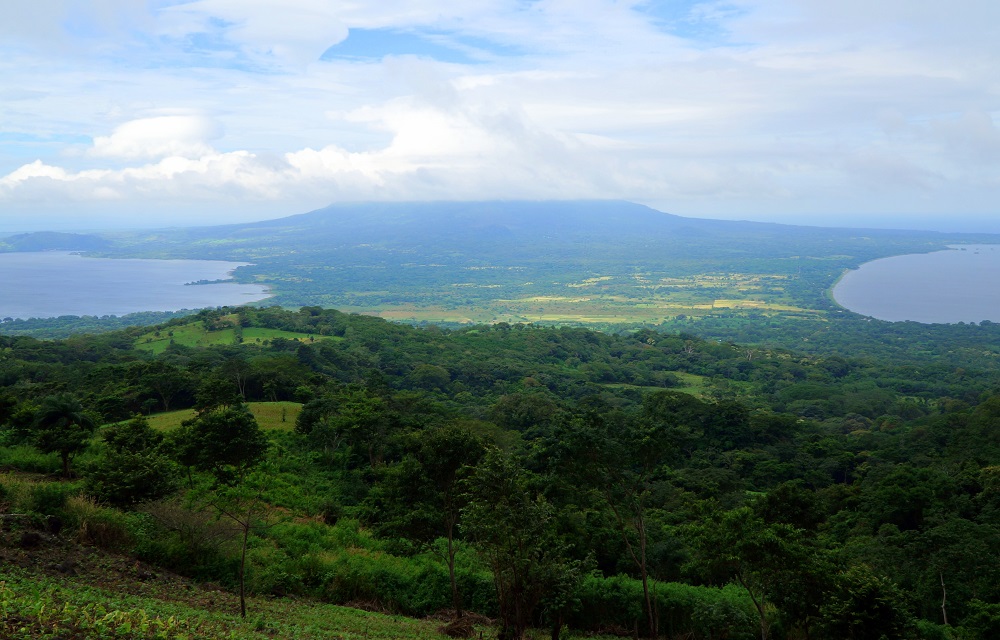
(136, 114)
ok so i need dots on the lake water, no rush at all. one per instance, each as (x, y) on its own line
(58, 283)
(961, 284)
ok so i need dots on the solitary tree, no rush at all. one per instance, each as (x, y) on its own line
(243, 504)
(230, 444)
(62, 426)
(227, 442)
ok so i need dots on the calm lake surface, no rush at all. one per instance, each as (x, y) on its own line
(59, 283)
(961, 284)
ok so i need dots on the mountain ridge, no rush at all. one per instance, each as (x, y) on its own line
(491, 221)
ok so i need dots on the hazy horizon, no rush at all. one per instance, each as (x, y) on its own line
(945, 224)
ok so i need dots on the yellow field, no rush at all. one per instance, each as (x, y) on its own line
(648, 297)
(756, 304)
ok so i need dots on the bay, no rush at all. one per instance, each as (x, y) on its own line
(961, 284)
(57, 283)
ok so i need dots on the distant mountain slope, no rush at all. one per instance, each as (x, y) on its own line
(494, 259)
(53, 241)
(474, 227)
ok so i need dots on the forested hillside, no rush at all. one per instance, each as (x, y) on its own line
(652, 484)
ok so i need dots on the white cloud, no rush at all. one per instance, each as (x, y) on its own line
(218, 105)
(157, 137)
(287, 32)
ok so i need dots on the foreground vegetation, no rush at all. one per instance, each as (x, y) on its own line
(647, 483)
(110, 598)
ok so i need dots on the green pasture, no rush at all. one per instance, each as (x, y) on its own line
(269, 415)
(195, 335)
(692, 384)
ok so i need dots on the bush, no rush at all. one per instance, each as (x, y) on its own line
(982, 621)
(270, 570)
(864, 605)
(409, 586)
(343, 564)
(49, 498)
(103, 527)
(615, 605)
(931, 631)
(36, 497)
(125, 479)
(187, 541)
(28, 459)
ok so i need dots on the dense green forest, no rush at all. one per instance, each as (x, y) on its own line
(648, 482)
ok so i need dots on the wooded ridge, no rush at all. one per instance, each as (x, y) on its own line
(645, 482)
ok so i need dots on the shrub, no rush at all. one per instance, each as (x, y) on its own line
(100, 526)
(36, 497)
(125, 478)
(270, 570)
(28, 459)
(864, 605)
(49, 498)
(982, 621)
(615, 605)
(187, 541)
(930, 631)
(414, 586)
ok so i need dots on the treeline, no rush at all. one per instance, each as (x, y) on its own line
(67, 326)
(967, 345)
(647, 484)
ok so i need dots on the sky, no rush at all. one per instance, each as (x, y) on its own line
(133, 113)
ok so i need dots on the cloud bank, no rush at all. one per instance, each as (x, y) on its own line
(116, 113)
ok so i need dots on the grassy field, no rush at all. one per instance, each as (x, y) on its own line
(635, 298)
(270, 415)
(195, 335)
(692, 384)
(552, 309)
(603, 299)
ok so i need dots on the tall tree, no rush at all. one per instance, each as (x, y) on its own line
(63, 426)
(762, 557)
(166, 381)
(358, 416)
(421, 498)
(227, 442)
(620, 462)
(514, 528)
